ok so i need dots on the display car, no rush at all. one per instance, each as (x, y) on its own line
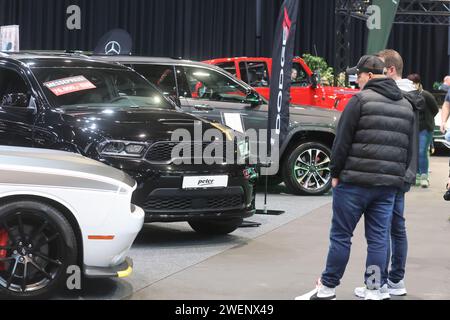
(57, 210)
(439, 141)
(306, 88)
(212, 93)
(112, 114)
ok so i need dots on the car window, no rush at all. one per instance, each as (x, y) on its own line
(212, 85)
(255, 73)
(160, 75)
(184, 91)
(11, 82)
(299, 76)
(228, 67)
(97, 87)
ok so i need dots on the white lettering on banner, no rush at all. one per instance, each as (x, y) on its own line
(74, 20)
(286, 30)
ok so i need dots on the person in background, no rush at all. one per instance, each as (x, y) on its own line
(426, 129)
(445, 84)
(444, 118)
(445, 113)
(294, 75)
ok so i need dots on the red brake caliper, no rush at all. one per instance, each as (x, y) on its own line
(3, 243)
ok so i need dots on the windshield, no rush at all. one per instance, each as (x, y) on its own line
(96, 87)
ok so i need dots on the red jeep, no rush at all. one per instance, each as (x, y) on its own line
(305, 90)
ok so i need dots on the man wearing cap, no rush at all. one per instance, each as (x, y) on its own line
(370, 155)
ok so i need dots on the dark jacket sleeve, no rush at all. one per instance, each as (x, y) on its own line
(413, 154)
(431, 103)
(346, 128)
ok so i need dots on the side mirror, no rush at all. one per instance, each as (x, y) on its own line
(15, 100)
(315, 79)
(253, 99)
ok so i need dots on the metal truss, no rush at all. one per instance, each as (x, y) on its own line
(412, 12)
(423, 12)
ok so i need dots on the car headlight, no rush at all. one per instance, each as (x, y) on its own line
(122, 149)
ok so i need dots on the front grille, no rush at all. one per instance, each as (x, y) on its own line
(155, 203)
(162, 151)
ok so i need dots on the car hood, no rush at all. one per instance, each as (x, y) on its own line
(59, 166)
(339, 91)
(140, 124)
(308, 114)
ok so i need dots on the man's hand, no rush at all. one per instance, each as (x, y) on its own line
(443, 128)
(334, 182)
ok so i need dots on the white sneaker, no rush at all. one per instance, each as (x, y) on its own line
(397, 289)
(363, 292)
(424, 182)
(321, 292)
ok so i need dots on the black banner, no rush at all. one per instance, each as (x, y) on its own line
(283, 53)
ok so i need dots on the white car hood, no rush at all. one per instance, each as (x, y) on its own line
(60, 163)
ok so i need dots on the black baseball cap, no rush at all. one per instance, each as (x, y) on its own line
(368, 63)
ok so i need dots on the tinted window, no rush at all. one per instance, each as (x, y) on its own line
(228, 67)
(11, 82)
(160, 75)
(211, 85)
(255, 74)
(184, 89)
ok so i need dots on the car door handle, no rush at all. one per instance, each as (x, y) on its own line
(203, 107)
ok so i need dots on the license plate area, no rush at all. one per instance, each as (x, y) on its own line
(205, 182)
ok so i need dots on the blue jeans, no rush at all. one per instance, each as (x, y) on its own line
(398, 242)
(349, 204)
(425, 138)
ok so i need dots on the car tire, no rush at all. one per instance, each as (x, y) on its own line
(304, 175)
(216, 227)
(36, 232)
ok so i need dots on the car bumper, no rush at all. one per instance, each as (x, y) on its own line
(442, 142)
(163, 199)
(122, 270)
(111, 252)
(439, 139)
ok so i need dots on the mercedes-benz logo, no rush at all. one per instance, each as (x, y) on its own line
(112, 47)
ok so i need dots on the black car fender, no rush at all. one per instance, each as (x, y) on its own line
(308, 133)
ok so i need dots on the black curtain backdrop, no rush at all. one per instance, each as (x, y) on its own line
(204, 29)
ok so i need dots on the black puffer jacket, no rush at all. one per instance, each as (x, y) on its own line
(417, 100)
(373, 145)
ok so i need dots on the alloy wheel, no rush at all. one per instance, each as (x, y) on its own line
(311, 169)
(33, 255)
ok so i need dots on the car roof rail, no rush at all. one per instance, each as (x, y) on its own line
(81, 53)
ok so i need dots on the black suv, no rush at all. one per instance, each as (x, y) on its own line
(212, 93)
(112, 114)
